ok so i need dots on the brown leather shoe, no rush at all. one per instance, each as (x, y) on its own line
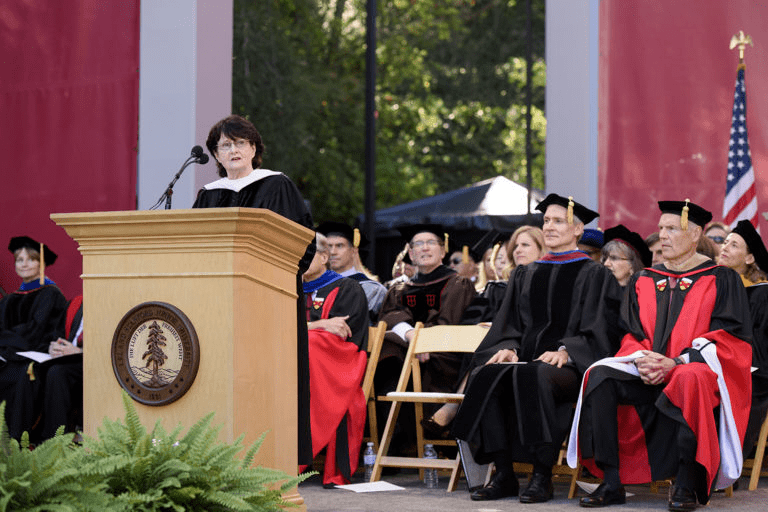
(604, 496)
(500, 486)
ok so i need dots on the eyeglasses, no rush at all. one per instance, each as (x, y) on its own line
(613, 258)
(226, 147)
(429, 243)
(717, 239)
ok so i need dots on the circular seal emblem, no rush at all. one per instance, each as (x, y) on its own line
(155, 353)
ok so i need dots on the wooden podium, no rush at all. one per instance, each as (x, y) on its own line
(232, 272)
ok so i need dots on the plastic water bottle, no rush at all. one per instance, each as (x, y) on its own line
(430, 475)
(369, 459)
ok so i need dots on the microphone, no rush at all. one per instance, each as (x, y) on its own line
(196, 156)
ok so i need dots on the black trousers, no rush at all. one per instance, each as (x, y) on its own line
(668, 438)
(522, 412)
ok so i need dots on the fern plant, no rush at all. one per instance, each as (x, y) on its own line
(126, 468)
(42, 479)
(160, 471)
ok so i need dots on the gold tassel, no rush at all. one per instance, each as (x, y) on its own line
(356, 238)
(465, 254)
(446, 242)
(569, 215)
(31, 372)
(42, 264)
(684, 216)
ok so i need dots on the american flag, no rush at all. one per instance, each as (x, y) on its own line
(740, 192)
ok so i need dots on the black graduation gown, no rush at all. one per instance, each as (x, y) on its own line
(28, 321)
(280, 195)
(525, 410)
(757, 295)
(486, 304)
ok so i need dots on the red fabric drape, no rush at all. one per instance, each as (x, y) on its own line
(665, 99)
(69, 87)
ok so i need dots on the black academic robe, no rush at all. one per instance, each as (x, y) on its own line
(564, 300)
(336, 370)
(280, 195)
(757, 295)
(28, 321)
(486, 304)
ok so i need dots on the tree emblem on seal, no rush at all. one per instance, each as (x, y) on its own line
(155, 355)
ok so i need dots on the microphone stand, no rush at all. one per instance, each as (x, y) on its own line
(169, 190)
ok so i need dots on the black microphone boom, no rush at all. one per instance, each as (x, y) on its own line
(197, 156)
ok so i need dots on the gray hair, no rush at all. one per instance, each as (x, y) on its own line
(321, 242)
(626, 251)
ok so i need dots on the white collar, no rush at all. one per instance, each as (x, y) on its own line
(238, 184)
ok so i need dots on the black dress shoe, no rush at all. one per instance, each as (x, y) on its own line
(539, 489)
(682, 499)
(434, 430)
(500, 486)
(604, 496)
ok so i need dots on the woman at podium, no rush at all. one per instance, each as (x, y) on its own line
(30, 318)
(237, 147)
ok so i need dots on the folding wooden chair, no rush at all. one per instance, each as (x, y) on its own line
(754, 467)
(439, 338)
(375, 341)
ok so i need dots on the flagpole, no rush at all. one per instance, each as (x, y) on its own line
(740, 190)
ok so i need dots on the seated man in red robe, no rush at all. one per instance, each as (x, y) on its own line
(337, 316)
(674, 402)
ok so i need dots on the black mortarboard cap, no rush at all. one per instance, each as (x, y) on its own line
(583, 213)
(754, 242)
(338, 229)
(408, 232)
(20, 242)
(695, 213)
(631, 239)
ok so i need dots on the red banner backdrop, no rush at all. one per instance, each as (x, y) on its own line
(69, 96)
(666, 94)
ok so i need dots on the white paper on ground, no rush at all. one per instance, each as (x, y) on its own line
(371, 487)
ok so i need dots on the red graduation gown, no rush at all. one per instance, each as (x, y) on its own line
(707, 303)
(337, 405)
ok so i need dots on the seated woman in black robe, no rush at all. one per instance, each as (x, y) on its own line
(30, 318)
(745, 252)
(237, 147)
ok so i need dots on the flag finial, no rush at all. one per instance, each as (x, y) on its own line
(741, 40)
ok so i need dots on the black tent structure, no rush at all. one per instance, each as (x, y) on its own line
(466, 213)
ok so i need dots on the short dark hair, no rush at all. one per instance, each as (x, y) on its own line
(235, 127)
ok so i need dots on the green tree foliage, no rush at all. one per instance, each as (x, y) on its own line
(450, 95)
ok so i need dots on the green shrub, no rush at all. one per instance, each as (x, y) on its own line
(127, 468)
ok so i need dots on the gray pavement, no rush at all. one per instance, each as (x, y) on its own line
(415, 497)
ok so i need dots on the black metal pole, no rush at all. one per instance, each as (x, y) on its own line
(528, 101)
(370, 132)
